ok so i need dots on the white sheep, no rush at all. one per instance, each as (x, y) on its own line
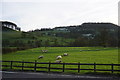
(58, 61)
(59, 57)
(40, 57)
(65, 54)
(81, 50)
(44, 51)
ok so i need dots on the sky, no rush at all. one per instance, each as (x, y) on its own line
(37, 14)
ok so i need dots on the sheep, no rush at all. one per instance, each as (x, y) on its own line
(65, 54)
(97, 49)
(81, 50)
(40, 57)
(59, 57)
(44, 51)
(88, 50)
(58, 61)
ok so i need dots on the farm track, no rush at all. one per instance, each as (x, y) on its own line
(7, 75)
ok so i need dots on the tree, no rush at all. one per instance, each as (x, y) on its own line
(80, 42)
(47, 43)
(55, 42)
(24, 34)
(38, 43)
(104, 37)
(5, 43)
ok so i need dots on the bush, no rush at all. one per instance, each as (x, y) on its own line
(9, 49)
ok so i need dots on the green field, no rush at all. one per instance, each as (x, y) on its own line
(76, 54)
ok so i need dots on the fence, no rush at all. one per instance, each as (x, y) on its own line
(36, 65)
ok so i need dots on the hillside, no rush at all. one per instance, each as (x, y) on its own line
(13, 38)
(87, 34)
(8, 33)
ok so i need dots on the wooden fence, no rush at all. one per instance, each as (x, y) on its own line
(36, 65)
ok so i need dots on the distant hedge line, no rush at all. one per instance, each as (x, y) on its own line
(9, 49)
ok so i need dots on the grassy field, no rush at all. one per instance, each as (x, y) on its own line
(76, 54)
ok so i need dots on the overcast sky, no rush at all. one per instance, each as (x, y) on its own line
(36, 14)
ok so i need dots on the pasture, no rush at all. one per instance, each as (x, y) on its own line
(75, 54)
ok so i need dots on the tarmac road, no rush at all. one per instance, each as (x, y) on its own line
(41, 76)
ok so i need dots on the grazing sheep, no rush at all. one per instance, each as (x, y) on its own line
(88, 50)
(65, 54)
(59, 57)
(97, 49)
(81, 50)
(58, 61)
(44, 51)
(40, 57)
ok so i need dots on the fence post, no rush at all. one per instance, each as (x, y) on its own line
(63, 67)
(112, 67)
(78, 67)
(11, 64)
(22, 65)
(35, 65)
(94, 67)
(49, 66)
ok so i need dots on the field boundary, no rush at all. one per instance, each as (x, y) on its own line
(35, 66)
